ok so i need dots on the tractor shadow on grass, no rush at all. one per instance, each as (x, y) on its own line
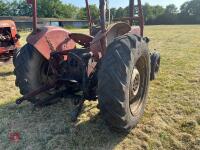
(4, 74)
(51, 128)
(97, 132)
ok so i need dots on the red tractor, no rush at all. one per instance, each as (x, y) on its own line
(9, 40)
(113, 67)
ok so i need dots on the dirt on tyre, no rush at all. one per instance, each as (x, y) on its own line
(123, 82)
(32, 71)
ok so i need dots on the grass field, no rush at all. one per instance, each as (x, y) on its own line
(171, 119)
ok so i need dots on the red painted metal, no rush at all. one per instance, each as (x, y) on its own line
(96, 46)
(89, 16)
(9, 49)
(131, 12)
(9, 24)
(112, 32)
(102, 15)
(141, 17)
(34, 4)
(102, 10)
(48, 37)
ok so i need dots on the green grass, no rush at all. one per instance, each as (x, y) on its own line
(171, 119)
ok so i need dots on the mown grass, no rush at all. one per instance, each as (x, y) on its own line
(171, 119)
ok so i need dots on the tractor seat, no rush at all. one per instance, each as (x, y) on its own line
(112, 32)
(82, 39)
(116, 30)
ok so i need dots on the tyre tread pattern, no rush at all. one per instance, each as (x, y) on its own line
(114, 80)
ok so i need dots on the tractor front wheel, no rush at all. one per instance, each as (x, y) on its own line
(123, 82)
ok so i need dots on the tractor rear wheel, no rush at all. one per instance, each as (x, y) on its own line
(124, 81)
(31, 71)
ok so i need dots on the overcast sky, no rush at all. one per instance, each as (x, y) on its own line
(124, 3)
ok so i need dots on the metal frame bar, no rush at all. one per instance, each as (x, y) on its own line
(34, 5)
(102, 15)
(102, 9)
(141, 17)
(89, 16)
(131, 12)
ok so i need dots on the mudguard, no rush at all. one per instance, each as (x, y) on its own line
(48, 39)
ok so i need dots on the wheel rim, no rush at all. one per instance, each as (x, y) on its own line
(136, 82)
(138, 85)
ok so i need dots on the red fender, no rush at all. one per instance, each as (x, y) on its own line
(48, 39)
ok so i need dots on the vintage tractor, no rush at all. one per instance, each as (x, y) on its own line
(113, 67)
(9, 40)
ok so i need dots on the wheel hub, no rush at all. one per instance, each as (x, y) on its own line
(135, 82)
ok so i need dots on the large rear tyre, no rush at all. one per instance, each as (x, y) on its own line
(31, 71)
(124, 81)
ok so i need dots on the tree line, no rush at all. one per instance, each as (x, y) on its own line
(189, 12)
